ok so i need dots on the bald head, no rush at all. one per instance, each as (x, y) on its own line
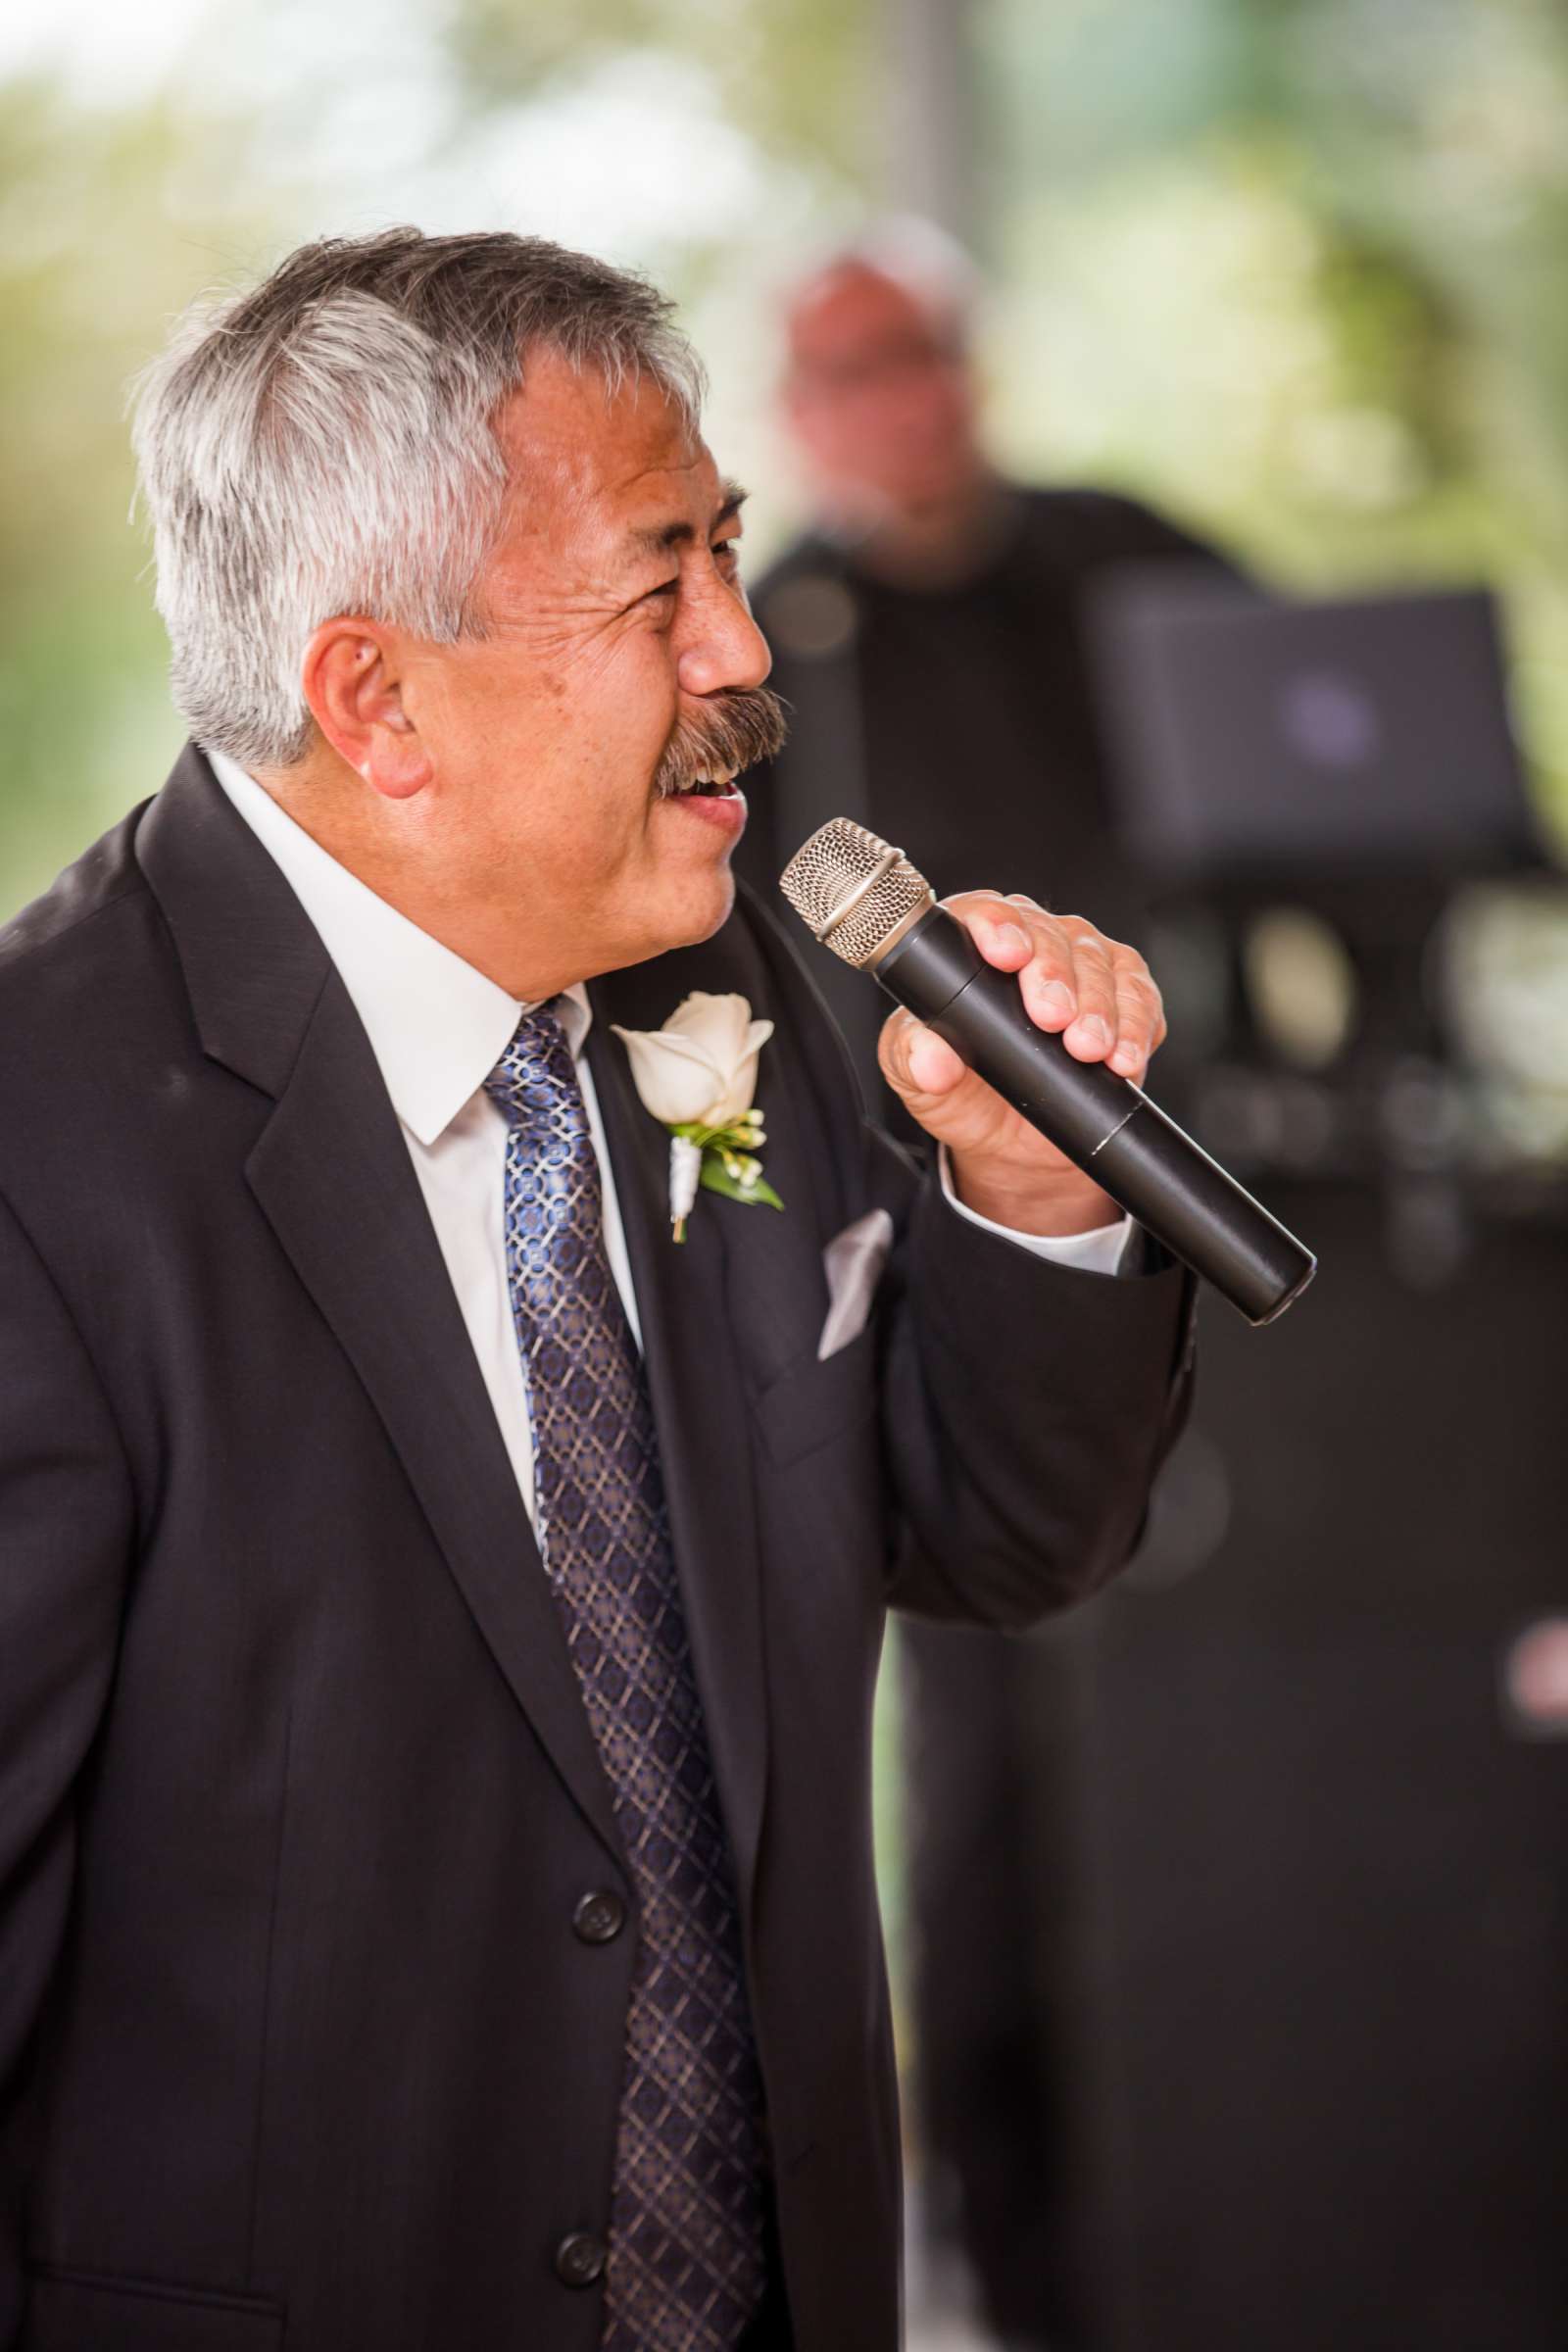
(913, 256)
(879, 392)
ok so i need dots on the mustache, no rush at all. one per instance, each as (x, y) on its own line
(739, 726)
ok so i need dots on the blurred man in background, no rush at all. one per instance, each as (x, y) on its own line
(927, 627)
(928, 632)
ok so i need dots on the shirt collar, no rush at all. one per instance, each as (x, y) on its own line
(437, 1027)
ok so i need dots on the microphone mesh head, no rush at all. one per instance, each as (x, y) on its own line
(841, 858)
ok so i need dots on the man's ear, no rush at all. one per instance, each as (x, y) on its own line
(351, 680)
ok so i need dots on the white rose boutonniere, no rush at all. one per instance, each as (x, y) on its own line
(698, 1075)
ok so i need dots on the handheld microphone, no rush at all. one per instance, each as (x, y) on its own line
(868, 904)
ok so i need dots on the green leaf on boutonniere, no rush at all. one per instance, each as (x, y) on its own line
(715, 1178)
(730, 1162)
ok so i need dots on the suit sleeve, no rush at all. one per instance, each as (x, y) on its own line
(67, 1526)
(1026, 1408)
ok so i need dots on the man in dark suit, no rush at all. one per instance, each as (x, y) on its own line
(438, 1615)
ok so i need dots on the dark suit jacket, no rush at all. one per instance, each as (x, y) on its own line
(298, 2043)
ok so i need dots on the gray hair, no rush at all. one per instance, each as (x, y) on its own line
(326, 444)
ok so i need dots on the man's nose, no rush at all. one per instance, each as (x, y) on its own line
(725, 647)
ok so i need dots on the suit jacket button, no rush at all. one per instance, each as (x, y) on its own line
(580, 2259)
(600, 1917)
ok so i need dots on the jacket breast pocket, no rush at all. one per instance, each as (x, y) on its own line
(73, 2311)
(817, 1402)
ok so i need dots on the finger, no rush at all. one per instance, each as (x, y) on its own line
(1090, 1035)
(1050, 990)
(1140, 1018)
(1001, 937)
(1048, 980)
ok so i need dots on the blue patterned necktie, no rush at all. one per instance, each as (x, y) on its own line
(685, 2270)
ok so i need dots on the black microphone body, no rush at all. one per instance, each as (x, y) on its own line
(1107, 1126)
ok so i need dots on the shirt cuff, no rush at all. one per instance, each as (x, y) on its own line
(1102, 1252)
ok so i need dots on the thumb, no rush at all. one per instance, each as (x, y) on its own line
(917, 1063)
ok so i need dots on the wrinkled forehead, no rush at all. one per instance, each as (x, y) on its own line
(591, 461)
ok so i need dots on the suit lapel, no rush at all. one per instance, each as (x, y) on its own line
(332, 1173)
(686, 1306)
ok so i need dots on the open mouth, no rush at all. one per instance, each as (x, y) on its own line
(705, 788)
(706, 751)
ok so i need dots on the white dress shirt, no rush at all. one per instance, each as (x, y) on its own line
(437, 1028)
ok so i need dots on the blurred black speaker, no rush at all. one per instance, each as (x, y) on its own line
(1320, 1797)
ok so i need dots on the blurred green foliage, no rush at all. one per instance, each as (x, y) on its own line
(798, 75)
(1290, 267)
(1297, 266)
(101, 240)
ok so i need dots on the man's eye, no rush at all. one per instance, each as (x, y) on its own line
(664, 588)
(727, 550)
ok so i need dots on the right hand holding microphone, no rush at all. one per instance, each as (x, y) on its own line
(1095, 993)
(1062, 1021)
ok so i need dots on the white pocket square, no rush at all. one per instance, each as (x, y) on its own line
(853, 1262)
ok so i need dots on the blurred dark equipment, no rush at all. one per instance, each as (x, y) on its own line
(1254, 741)
(1325, 784)
(1321, 1784)
(1321, 1933)
(1240, 1898)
